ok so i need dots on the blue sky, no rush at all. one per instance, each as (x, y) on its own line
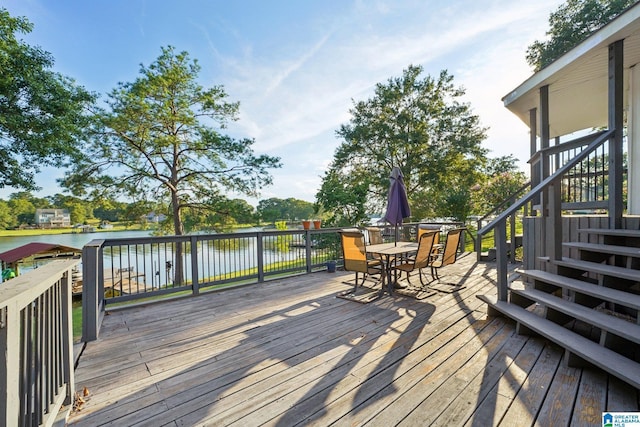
(297, 66)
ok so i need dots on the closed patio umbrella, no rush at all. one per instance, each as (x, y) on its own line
(397, 204)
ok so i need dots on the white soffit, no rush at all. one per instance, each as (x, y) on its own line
(578, 80)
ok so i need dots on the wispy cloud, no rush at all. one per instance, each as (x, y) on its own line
(483, 45)
(295, 65)
(296, 80)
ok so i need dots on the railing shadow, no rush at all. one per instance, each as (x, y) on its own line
(266, 352)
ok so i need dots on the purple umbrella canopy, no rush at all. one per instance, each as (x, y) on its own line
(397, 204)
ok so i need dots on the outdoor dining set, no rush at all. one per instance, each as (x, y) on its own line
(370, 256)
(366, 254)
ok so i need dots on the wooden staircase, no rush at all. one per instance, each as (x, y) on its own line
(590, 307)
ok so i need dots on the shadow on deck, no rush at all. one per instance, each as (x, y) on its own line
(288, 352)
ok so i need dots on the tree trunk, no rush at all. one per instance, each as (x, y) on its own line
(179, 231)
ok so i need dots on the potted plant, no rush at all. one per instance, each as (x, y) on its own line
(306, 224)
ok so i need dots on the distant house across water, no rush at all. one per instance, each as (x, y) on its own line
(154, 217)
(53, 218)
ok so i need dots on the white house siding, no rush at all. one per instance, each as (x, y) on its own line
(633, 143)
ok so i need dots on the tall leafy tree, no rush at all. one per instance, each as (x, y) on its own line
(570, 24)
(23, 205)
(7, 218)
(234, 212)
(42, 113)
(241, 211)
(161, 139)
(417, 123)
(275, 209)
(502, 179)
(109, 210)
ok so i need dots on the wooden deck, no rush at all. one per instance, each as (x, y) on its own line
(288, 352)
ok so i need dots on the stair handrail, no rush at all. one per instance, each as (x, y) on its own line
(477, 242)
(499, 223)
(559, 148)
(504, 202)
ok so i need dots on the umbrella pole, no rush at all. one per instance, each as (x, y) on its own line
(395, 240)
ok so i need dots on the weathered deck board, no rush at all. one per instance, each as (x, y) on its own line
(289, 352)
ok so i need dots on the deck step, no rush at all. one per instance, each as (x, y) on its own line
(619, 327)
(608, 294)
(604, 269)
(607, 249)
(610, 232)
(605, 359)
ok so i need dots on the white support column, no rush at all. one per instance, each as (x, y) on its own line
(633, 143)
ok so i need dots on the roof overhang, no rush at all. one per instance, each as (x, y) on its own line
(578, 80)
(37, 249)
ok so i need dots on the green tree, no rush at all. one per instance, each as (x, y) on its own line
(299, 209)
(269, 210)
(274, 209)
(241, 211)
(159, 134)
(109, 210)
(501, 179)
(136, 212)
(42, 113)
(161, 140)
(283, 241)
(7, 219)
(416, 123)
(343, 199)
(569, 25)
(23, 207)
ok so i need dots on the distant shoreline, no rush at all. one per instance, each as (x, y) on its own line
(96, 229)
(67, 230)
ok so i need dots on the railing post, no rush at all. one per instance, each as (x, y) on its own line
(10, 363)
(616, 122)
(91, 288)
(554, 220)
(533, 143)
(307, 247)
(195, 281)
(260, 256)
(463, 237)
(479, 241)
(67, 337)
(512, 234)
(501, 259)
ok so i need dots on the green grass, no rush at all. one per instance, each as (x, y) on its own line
(76, 315)
(487, 239)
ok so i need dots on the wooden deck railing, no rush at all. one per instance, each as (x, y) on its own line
(36, 345)
(551, 188)
(121, 270)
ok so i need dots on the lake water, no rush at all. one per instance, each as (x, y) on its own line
(226, 259)
(74, 240)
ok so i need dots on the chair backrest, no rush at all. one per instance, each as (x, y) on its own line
(353, 250)
(425, 246)
(375, 235)
(423, 228)
(450, 252)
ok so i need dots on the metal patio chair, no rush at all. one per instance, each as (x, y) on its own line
(448, 254)
(355, 257)
(422, 258)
